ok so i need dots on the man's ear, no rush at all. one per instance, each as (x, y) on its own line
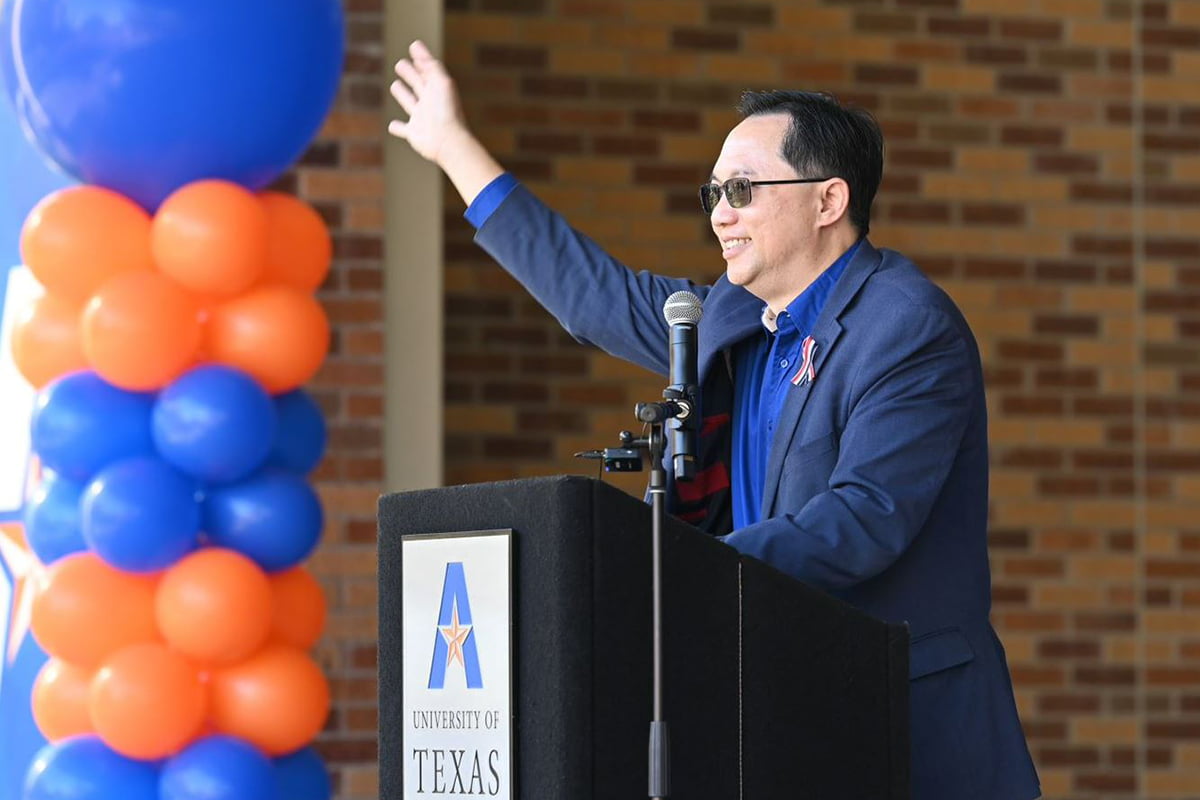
(835, 202)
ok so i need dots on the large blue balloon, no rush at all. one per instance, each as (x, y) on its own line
(81, 423)
(143, 96)
(26, 174)
(83, 768)
(303, 776)
(141, 515)
(215, 423)
(300, 440)
(52, 518)
(273, 518)
(219, 768)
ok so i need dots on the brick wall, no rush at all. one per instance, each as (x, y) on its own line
(1043, 166)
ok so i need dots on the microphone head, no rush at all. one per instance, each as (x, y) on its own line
(682, 307)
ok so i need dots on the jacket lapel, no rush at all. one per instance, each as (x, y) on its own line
(825, 333)
(730, 315)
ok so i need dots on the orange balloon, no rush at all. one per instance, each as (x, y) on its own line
(141, 330)
(299, 608)
(214, 606)
(211, 236)
(147, 702)
(277, 699)
(85, 610)
(46, 341)
(276, 334)
(60, 700)
(299, 247)
(77, 238)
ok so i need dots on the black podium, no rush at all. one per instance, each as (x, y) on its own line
(772, 689)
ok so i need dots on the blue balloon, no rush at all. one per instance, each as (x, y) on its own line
(141, 515)
(143, 96)
(300, 440)
(25, 173)
(219, 768)
(215, 423)
(303, 776)
(52, 518)
(273, 518)
(10, 80)
(82, 423)
(84, 768)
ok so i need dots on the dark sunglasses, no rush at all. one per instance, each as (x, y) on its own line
(738, 192)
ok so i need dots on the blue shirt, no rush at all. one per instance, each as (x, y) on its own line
(488, 200)
(765, 366)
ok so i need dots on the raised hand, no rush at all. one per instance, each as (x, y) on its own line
(427, 95)
(436, 127)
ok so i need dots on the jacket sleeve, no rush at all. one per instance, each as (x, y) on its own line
(596, 298)
(908, 412)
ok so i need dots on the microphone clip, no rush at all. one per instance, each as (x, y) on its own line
(683, 425)
(673, 407)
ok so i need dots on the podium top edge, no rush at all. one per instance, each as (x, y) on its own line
(544, 481)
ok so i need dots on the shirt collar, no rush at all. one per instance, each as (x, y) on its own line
(769, 318)
(819, 287)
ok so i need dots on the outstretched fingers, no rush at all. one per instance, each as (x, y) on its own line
(404, 95)
(410, 77)
(426, 94)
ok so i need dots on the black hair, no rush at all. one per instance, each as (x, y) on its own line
(827, 138)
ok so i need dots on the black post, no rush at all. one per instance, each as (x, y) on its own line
(660, 740)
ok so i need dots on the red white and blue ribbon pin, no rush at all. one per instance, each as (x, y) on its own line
(808, 372)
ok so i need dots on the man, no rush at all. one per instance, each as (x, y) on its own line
(841, 391)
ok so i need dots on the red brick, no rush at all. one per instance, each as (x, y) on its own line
(752, 15)
(705, 39)
(886, 74)
(959, 26)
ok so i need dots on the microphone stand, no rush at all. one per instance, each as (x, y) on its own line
(660, 739)
(677, 406)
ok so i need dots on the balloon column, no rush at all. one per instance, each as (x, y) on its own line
(176, 330)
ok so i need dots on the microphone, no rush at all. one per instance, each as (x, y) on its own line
(682, 312)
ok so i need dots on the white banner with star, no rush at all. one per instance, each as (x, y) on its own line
(18, 290)
(457, 634)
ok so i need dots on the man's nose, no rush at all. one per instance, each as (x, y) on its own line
(723, 213)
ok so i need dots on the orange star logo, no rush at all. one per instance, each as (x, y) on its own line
(24, 568)
(455, 635)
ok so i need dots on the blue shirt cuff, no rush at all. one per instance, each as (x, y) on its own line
(488, 200)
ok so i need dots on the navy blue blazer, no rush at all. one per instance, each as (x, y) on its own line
(877, 478)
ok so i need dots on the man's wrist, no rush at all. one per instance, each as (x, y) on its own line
(457, 144)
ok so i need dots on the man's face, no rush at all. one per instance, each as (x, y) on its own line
(768, 243)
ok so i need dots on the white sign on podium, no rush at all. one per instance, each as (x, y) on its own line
(457, 633)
